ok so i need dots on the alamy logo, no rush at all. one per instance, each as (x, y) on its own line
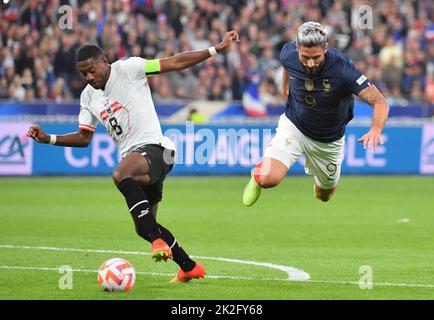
(362, 18)
(66, 280)
(366, 280)
(65, 17)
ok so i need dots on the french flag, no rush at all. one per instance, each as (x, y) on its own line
(429, 33)
(252, 103)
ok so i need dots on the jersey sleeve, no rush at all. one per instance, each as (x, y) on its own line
(86, 120)
(354, 80)
(284, 55)
(138, 67)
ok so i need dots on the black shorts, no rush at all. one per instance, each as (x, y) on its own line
(160, 161)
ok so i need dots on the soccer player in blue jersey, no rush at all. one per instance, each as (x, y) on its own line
(319, 83)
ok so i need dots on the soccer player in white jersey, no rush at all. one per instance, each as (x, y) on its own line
(118, 96)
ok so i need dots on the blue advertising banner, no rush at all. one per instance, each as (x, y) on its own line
(100, 158)
(400, 153)
(209, 150)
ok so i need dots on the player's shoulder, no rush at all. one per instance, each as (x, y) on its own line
(130, 68)
(117, 65)
(338, 57)
(86, 94)
(290, 46)
(340, 66)
(337, 62)
(289, 57)
(289, 50)
(128, 63)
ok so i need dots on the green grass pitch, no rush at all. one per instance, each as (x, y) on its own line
(385, 223)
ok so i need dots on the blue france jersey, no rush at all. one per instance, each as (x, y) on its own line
(321, 106)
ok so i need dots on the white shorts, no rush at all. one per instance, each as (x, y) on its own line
(323, 159)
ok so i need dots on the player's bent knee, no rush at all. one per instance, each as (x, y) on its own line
(119, 175)
(325, 198)
(269, 181)
(324, 195)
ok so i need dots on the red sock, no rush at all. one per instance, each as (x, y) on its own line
(256, 171)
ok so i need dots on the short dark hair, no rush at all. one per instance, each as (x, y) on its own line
(89, 51)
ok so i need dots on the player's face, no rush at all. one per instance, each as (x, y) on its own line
(95, 71)
(311, 58)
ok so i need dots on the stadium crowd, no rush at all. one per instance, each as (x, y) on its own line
(37, 51)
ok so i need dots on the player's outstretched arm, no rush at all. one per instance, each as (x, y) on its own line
(285, 84)
(376, 100)
(187, 59)
(81, 138)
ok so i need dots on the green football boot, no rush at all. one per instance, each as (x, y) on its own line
(252, 191)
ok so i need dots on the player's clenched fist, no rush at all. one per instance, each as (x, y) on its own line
(36, 133)
(228, 39)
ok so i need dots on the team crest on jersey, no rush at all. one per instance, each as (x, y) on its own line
(326, 84)
(107, 106)
(309, 84)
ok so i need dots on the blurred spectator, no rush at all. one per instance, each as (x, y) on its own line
(413, 74)
(395, 97)
(196, 117)
(16, 90)
(58, 93)
(392, 73)
(27, 78)
(238, 84)
(392, 54)
(3, 88)
(37, 58)
(417, 95)
(216, 92)
(41, 90)
(173, 9)
(184, 82)
(162, 90)
(64, 61)
(29, 95)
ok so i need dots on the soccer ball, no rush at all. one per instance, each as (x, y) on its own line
(116, 274)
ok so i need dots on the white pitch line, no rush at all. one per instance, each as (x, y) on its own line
(382, 284)
(139, 273)
(292, 273)
(378, 284)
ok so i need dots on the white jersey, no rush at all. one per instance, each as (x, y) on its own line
(125, 108)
